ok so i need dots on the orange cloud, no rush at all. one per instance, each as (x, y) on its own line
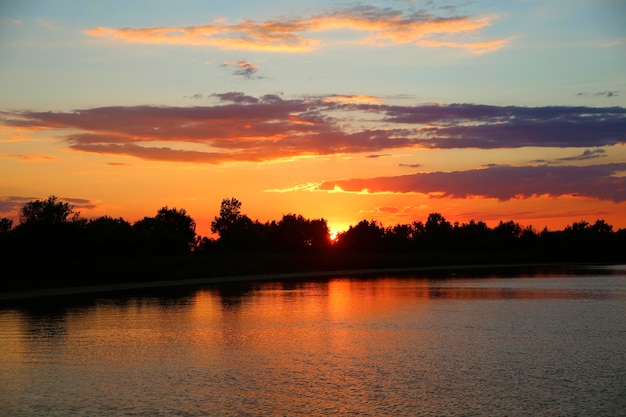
(246, 36)
(354, 99)
(382, 26)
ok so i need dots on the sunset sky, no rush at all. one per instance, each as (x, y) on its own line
(484, 110)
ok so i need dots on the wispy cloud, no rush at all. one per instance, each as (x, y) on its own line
(240, 127)
(31, 158)
(375, 25)
(501, 182)
(10, 22)
(475, 47)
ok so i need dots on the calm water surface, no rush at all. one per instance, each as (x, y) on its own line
(544, 343)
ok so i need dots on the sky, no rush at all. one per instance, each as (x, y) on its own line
(389, 111)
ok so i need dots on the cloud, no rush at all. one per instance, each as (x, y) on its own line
(489, 127)
(475, 47)
(375, 26)
(243, 68)
(236, 97)
(500, 182)
(10, 22)
(608, 93)
(388, 209)
(240, 127)
(11, 206)
(410, 165)
(31, 158)
(351, 99)
(585, 156)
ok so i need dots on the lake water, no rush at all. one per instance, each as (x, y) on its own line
(548, 342)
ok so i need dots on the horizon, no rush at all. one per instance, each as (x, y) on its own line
(387, 111)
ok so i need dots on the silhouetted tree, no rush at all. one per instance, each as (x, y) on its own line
(230, 214)
(474, 236)
(436, 223)
(365, 236)
(233, 228)
(585, 238)
(6, 225)
(600, 226)
(171, 231)
(48, 227)
(437, 232)
(295, 233)
(507, 233)
(399, 237)
(109, 236)
(179, 223)
(50, 211)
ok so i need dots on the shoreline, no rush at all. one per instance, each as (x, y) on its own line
(22, 295)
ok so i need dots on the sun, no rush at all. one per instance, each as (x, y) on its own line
(333, 235)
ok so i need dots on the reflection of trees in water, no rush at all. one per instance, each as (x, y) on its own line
(46, 323)
(231, 295)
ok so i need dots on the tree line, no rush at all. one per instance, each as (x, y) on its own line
(51, 227)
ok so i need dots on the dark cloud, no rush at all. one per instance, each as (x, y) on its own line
(246, 128)
(608, 93)
(501, 182)
(243, 68)
(236, 97)
(410, 165)
(586, 155)
(11, 205)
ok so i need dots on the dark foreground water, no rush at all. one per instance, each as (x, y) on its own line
(543, 343)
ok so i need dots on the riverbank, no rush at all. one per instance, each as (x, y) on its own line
(121, 287)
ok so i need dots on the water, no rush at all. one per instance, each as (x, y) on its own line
(546, 343)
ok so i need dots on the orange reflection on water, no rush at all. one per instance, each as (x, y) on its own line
(349, 297)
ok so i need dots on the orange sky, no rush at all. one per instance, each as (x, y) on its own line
(386, 111)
